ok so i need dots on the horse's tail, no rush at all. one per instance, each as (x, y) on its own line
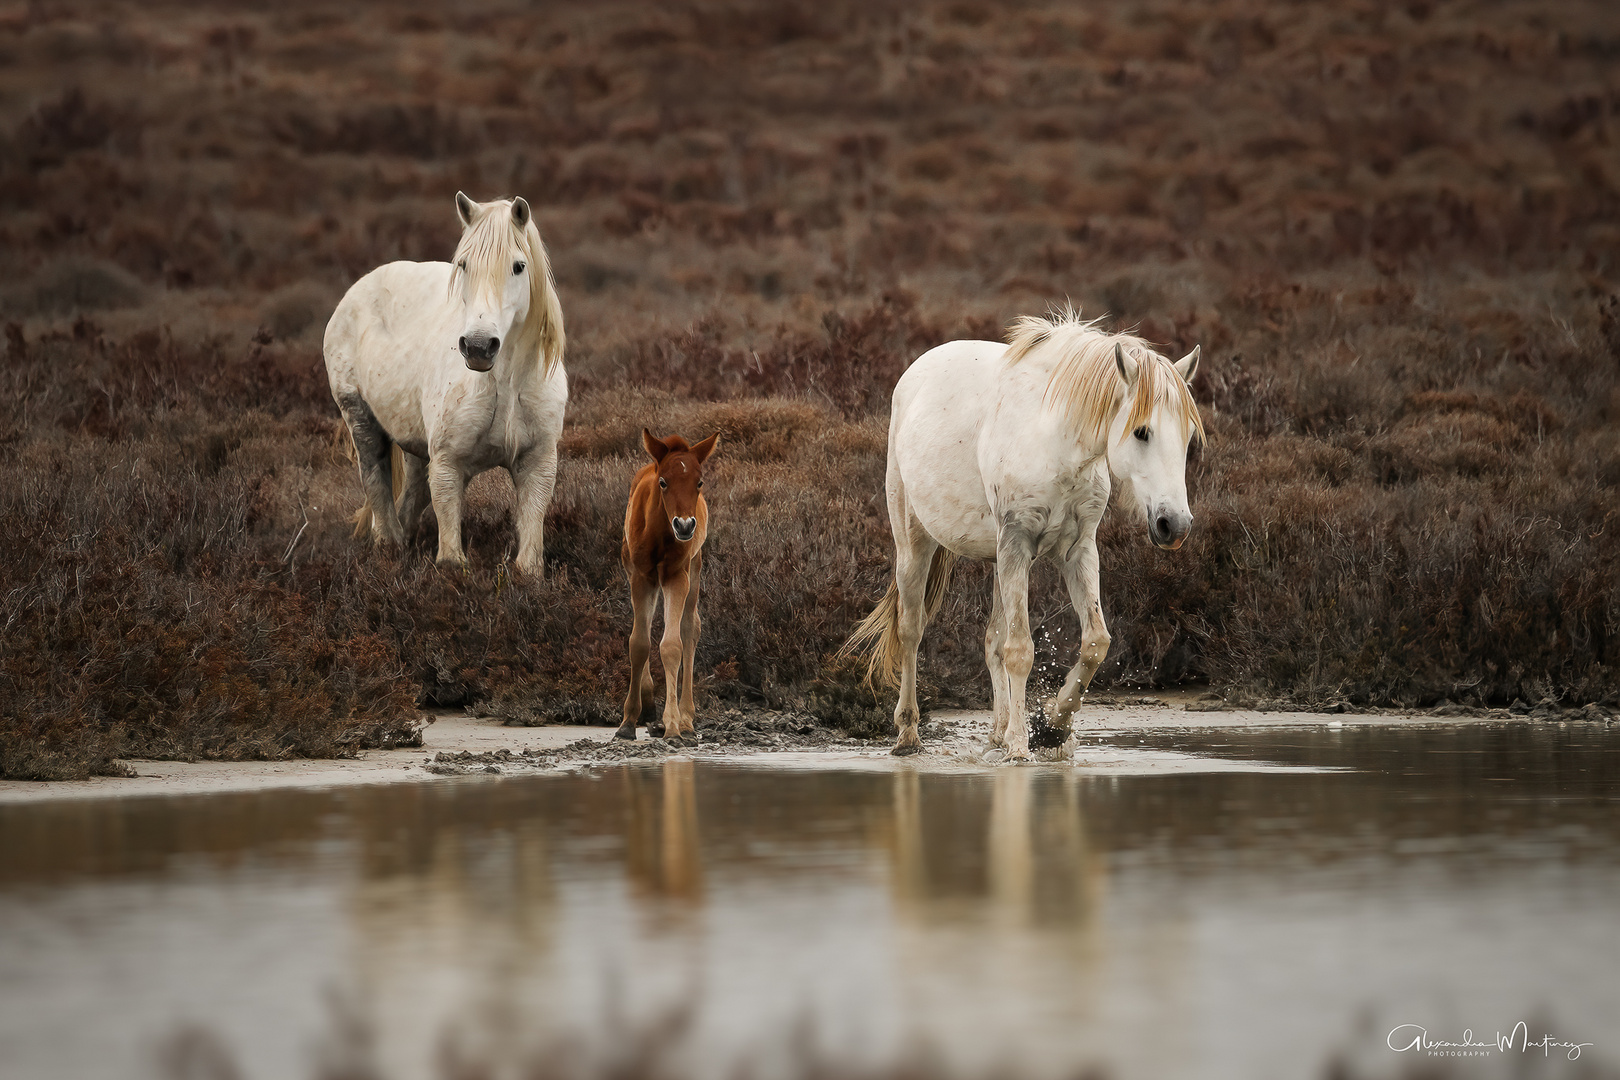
(363, 516)
(878, 635)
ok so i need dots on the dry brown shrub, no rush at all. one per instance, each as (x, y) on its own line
(759, 215)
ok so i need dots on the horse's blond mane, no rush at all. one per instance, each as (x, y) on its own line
(488, 247)
(1085, 385)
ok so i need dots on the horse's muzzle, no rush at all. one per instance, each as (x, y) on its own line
(1169, 530)
(685, 528)
(479, 351)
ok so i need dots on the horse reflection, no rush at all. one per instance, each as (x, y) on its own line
(1026, 853)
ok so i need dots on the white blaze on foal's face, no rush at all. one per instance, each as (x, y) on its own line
(493, 273)
(1152, 457)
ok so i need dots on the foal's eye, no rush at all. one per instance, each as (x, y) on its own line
(517, 268)
(663, 485)
(700, 485)
(1142, 433)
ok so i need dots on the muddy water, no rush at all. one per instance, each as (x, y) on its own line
(1273, 922)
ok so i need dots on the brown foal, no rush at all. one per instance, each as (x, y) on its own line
(664, 527)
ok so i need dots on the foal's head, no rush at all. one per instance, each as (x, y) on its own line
(680, 478)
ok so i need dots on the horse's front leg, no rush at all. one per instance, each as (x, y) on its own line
(643, 596)
(676, 587)
(995, 633)
(1080, 577)
(445, 486)
(691, 627)
(535, 477)
(373, 454)
(1015, 551)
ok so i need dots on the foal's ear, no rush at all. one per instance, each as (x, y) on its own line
(520, 213)
(706, 447)
(1187, 365)
(465, 209)
(1128, 368)
(654, 447)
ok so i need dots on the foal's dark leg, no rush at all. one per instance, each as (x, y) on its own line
(372, 445)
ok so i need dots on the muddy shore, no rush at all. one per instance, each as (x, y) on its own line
(457, 745)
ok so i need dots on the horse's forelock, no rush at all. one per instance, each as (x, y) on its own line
(488, 245)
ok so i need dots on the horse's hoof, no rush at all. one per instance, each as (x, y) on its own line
(625, 733)
(906, 749)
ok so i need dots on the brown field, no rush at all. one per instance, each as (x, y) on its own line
(1394, 228)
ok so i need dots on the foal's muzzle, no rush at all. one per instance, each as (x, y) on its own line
(479, 351)
(1169, 529)
(684, 528)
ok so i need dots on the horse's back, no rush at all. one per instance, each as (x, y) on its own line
(939, 410)
(389, 309)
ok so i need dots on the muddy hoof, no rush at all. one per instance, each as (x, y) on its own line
(1043, 736)
(625, 733)
(906, 749)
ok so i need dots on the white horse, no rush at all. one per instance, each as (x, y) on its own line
(1006, 452)
(458, 365)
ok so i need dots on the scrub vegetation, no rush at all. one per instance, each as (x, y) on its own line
(1393, 227)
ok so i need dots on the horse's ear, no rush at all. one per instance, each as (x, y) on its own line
(1188, 365)
(465, 209)
(654, 447)
(1128, 368)
(520, 213)
(706, 447)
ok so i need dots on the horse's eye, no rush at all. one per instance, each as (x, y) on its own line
(462, 266)
(700, 485)
(1142, 433)
(663, 484)
(517, 268)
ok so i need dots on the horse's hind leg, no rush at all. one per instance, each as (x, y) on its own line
(372, 445)
(1015, 551)
(638, 705)
(913, 556)
(413, 499)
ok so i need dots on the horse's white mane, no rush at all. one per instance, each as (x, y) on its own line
(488, 247)
(1085, 384)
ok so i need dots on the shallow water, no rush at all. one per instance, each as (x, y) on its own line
(1038, 921)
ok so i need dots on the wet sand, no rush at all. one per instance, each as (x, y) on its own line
(953, 740)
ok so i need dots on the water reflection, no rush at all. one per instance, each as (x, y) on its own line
(1042, 919)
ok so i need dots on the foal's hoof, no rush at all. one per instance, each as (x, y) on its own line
(906, 749)
(625, 733)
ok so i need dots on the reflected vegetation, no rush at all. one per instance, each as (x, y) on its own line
(1043, 919)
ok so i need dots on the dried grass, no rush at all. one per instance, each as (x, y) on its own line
(759, 214)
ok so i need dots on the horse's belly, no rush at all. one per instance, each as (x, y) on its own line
(939, 410)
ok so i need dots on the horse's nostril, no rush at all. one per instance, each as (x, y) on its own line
(463, 345)
(493, 347)
(1163, 525)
